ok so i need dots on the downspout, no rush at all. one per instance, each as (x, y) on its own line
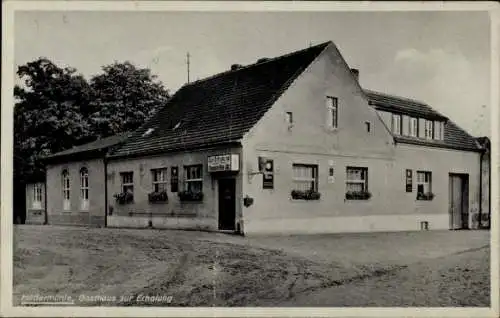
(480, 220)
(105, 191)
(489, 188)
(46, 217)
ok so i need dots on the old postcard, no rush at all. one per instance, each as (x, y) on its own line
(256, 159)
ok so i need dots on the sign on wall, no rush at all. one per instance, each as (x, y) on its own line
(174, 179)
(409, 180)
(266, 166)
(228, 162)
(331, 177)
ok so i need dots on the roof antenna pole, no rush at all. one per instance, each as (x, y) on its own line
(188, 64)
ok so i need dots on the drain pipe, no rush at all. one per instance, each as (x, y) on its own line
(105, 191)
(489, 189)
(46, 216)
(480, 220)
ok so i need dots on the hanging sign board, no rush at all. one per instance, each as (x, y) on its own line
(219, 163)
(331, 176)
(174, 179)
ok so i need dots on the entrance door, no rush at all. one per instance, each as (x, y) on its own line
(227, 204)
(459, 198)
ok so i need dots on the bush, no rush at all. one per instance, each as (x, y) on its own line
(358, 195)
(305, 195)
(158, 197)
(124, 197)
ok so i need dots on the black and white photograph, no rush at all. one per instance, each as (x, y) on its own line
(162, 158)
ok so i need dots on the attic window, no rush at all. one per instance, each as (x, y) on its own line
(148, 132)
(177, 125)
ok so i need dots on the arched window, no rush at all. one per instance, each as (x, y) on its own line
(84, 188)
(66, 190)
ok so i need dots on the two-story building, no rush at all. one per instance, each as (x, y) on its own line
(294, 144)
(291, 144)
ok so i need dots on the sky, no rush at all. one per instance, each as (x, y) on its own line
(441, 58)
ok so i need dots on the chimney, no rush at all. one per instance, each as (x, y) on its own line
(355, 72)
(235, 67)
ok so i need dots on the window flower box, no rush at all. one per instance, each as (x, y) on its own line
(425, 196)
(124, 197)
(358, 195)
(188, 196)
(305, 195)
(158, 197)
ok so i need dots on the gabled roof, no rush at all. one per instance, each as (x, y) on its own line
(454, 136)
(219, 109)
(99, 146)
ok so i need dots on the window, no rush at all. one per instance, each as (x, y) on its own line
(159, 179)
(424, 182)
(413, 129)
(194, 178)
(37, 196)
(396, 124)
(332, 105)
(289, 118)
(127, 182)
(439, 130)
(367, 124)
(356, 179)
(429, 129)
(84, 189)
(66, 190)
(305, 177)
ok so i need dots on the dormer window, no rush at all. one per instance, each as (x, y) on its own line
(148, 132)
(396, 124)
(439, 130)
(177, 125)
(429, 129)
(413, 129)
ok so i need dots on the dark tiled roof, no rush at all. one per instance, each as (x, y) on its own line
(454, 136)
(95, 146)
(404, 105)
(221, 108)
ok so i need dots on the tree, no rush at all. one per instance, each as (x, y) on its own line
(124, 97)
(56, 109)
(49, 115)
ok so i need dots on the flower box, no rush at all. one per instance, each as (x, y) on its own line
(158, 197)
(425, 196)
(190, 196)
(305, 195)
(124, 197)
(358, 195)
